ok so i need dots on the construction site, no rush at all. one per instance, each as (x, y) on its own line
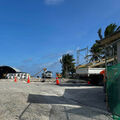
(60, 60)
(86, 96)
(46, 97)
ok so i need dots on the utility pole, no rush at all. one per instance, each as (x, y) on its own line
(78, 54)
(87, 54)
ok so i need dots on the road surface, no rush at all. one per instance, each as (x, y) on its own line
(46, 101)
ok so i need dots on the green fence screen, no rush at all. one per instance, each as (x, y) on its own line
(113, 89)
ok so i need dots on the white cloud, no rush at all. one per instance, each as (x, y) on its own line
(69, 52)
(53, 2)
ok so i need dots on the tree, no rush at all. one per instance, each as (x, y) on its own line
(68, 65)
(97, 52)
(100, 33)
(109, 30)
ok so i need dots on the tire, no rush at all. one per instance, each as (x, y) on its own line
(96, 79)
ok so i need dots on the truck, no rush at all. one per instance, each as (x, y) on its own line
(47, 74)
(91, 74)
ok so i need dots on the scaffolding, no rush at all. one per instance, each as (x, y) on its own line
(84, 55)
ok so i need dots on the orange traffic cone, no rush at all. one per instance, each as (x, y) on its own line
(88, 82)
(28, 81)
(57, 81)
(15, 79)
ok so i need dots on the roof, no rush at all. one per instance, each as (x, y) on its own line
(109, 40)
(83, 66)
(17, 70)
(101, 63)
(95, 64)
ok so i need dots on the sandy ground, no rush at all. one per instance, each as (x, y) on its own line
(47, 101)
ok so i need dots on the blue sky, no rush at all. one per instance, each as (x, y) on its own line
(35, 33)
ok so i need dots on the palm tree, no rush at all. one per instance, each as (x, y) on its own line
(96, 51)
(109, 30)
(68, 65)
(100, 33)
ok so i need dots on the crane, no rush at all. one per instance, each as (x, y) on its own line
(44, 69)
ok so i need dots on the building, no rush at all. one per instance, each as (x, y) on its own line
(10, 73)
(111, 45)
(4, 70)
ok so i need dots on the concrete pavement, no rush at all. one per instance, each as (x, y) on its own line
(46, 101)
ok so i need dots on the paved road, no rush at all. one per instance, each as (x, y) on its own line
(45, 101)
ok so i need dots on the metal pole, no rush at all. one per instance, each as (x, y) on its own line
(113, 55)
(78, 54)
(105, 62)
(77, 57)
(87, 54)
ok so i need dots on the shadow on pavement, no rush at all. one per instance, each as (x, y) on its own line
(83, 98)
(93, 97)
(74, 84)
(43, 99)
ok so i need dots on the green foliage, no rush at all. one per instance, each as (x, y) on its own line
(96, 51)
(100, 33)
(68, 65)
(109, 30)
